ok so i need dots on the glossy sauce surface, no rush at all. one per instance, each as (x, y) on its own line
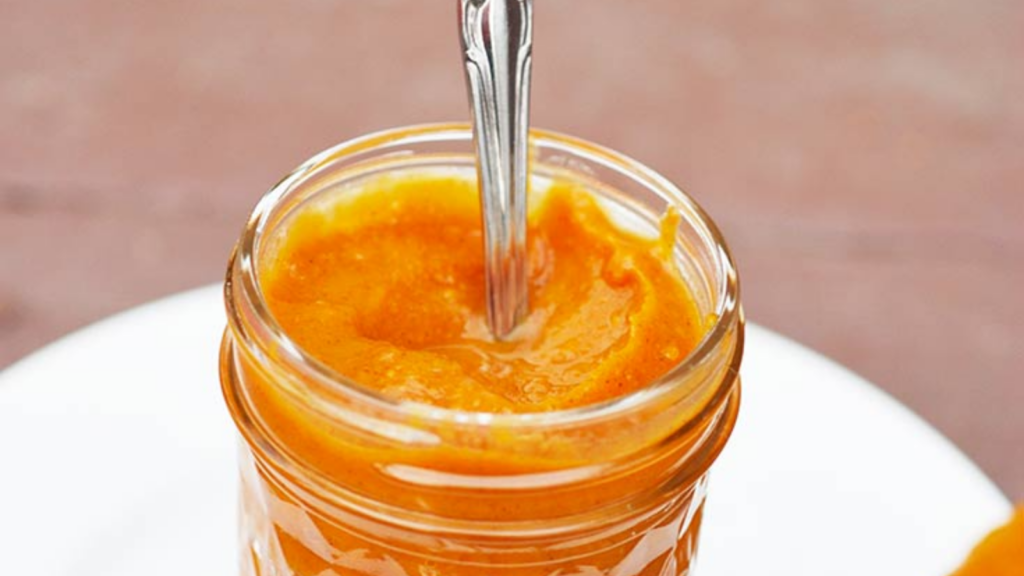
(387, 288)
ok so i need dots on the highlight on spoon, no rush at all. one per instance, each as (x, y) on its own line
(497, 40)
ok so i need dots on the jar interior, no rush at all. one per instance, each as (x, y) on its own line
(636, 201)
(563, 488)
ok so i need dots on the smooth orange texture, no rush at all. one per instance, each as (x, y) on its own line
(387, 287)
(1001, 553)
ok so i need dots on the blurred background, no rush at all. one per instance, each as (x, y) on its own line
(864, 157)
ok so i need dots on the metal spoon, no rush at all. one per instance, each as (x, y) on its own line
(497, 41)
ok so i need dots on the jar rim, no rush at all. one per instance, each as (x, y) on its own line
(244, 298)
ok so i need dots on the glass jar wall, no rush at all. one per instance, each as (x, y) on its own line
(338, 479)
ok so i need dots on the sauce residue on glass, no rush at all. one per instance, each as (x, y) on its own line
(386, 286)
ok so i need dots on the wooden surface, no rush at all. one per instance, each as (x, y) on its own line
(865, 157)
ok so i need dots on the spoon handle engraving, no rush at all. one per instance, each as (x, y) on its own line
(497, 39)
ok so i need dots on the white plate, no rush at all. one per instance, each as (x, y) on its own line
(117, 458)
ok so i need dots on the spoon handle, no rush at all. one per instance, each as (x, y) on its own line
(497, 41)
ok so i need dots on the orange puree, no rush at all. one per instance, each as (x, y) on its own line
(387, 288)
(384, 284)
(1001, 553)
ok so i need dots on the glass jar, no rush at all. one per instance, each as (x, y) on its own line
(338, 480)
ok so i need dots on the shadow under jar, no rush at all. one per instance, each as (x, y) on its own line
(339, 480)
